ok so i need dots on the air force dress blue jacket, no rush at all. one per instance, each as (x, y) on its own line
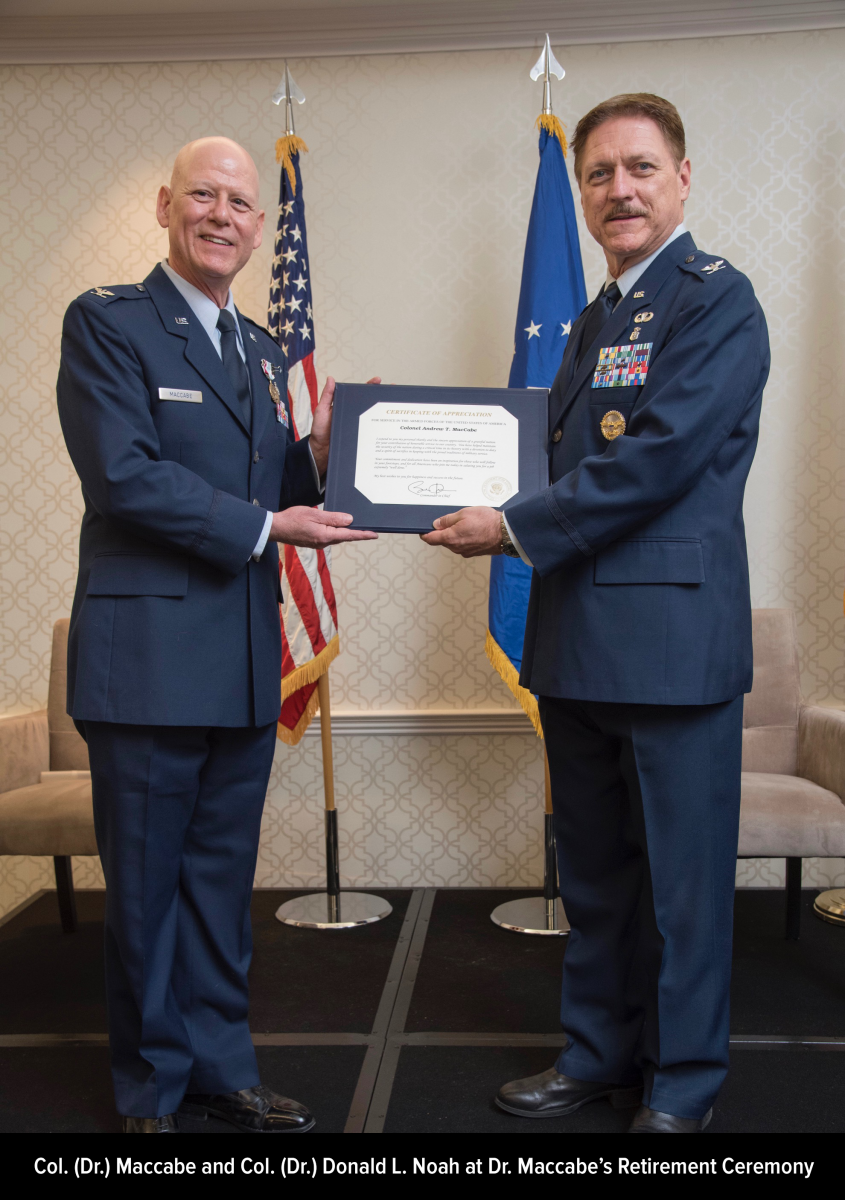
(640, 591)
(173, 622)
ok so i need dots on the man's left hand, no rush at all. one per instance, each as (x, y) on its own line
(470, 532)
(321, 426)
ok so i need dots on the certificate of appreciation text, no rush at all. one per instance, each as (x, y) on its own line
(415, 454)
(402, 456)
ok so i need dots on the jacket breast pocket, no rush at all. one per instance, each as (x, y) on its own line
(138, 575)
(651, 560)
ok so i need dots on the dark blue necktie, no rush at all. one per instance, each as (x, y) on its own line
(234, 364)
(602, 307)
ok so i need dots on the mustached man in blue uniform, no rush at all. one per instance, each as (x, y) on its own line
(638, 640)
(174, 410)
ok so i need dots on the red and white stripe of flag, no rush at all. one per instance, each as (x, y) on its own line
(309, 610)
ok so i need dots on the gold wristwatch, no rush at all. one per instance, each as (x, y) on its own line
(508, 547)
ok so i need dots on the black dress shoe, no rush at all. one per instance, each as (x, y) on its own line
(648, 1120)
(252, 1110)
(151, 1124)
(554, 1095)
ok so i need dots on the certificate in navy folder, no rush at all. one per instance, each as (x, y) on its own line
(402, 456)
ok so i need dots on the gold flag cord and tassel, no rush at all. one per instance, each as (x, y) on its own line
(552, 125)
(286, 147)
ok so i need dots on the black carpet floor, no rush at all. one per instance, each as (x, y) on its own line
(301, 981)
(440, 1089)
(67, 1089)
(309, 980)
(467, 980)
(476, 977)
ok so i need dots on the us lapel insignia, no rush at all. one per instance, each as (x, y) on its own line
(254, 338)
(181, 320)
(638, 295)
(713, 267)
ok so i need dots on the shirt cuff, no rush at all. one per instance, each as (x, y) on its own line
(517, 546)
(320, 485)
(262, 541)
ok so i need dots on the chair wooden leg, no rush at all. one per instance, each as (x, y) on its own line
(64, 891)
(793, 899)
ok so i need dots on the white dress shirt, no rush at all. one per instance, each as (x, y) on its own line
(625, 282)
(207, 313)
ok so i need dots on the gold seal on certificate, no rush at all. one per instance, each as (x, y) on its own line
(435, 454)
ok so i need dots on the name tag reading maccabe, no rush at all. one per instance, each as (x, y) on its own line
(622, 366)
(186, 397)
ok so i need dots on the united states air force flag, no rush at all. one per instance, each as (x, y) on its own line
(550, 298)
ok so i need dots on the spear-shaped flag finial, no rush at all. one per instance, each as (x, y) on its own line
(546, 66)
(288, 90)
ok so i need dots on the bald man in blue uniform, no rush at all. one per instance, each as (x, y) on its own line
(638, 639)
(174, 409)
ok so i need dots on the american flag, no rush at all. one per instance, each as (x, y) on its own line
(309, 610)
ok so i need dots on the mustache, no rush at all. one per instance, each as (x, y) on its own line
(625, 210)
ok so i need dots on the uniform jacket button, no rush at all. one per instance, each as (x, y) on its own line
(557, 435)
(255, 502)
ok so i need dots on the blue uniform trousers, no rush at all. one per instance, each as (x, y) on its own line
(177, 811)
(646, 810)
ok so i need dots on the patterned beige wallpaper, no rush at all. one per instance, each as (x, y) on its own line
(418, 186)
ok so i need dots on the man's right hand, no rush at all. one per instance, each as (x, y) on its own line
(315, 529)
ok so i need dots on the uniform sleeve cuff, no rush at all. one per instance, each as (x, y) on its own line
(318, 482)
(265, 533)
(516, 543)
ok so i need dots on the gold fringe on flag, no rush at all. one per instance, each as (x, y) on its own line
(501, 663)
(311, 671)
(290, 737)
(289, 145)
(552, 125)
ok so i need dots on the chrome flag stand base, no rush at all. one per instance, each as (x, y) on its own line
(830, 906)
(331, 909)
(322, 911)
(532, 914)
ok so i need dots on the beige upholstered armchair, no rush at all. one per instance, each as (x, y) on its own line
(45, 785)
(793, 763)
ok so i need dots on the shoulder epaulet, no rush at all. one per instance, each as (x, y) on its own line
(117, 291)
(263, 328)
(704, 265)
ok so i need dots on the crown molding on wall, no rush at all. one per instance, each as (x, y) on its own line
(413, 722)
(396, 28)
